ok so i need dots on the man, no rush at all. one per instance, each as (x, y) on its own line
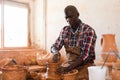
(79, 41)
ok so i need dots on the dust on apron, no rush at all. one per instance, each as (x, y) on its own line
(72, 54)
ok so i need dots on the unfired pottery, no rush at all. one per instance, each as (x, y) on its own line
(52, 71)
(14, 72)
(71, 75)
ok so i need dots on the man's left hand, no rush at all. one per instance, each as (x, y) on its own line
(56, 57)
(62, 70)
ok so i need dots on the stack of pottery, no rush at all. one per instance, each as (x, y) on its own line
(109, 48)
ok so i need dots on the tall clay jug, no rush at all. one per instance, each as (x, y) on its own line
(108, 43)
(109, 46)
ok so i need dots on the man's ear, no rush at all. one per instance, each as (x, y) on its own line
(78, 14)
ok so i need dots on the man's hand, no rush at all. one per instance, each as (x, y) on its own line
(56, 57)
(62, 70)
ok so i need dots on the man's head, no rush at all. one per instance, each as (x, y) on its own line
(71, 15)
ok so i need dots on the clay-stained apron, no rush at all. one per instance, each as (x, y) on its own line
(72, 54)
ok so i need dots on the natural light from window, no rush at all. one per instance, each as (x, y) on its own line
(15, 26)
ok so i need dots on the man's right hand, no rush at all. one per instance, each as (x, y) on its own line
(56, 57)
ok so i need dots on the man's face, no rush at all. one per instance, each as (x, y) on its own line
(71, 17)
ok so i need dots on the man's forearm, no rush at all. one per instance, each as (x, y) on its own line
(56, 54)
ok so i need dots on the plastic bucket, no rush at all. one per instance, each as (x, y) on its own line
(97, 72)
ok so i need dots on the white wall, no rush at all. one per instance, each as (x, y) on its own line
(39, 27)
(102, 15)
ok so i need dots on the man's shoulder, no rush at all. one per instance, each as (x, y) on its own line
(66, 28)
(86, 26)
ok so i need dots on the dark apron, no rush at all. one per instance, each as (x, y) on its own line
(72, 54)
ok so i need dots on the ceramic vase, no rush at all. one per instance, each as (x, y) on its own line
(109, 46)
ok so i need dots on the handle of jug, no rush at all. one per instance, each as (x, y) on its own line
(101, 41)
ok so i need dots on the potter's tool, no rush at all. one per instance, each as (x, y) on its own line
(116, 54)
(105, 60)
(108, 56)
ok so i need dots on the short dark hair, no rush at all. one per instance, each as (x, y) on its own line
(71, 8)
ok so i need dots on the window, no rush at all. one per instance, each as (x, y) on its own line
(14, 31)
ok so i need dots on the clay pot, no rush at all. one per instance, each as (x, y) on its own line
(52, 71)
(6, 62)
(117, 64)
(109, 46)
(71, 75)
(115, 74)
(14, 72)
(116, 71)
